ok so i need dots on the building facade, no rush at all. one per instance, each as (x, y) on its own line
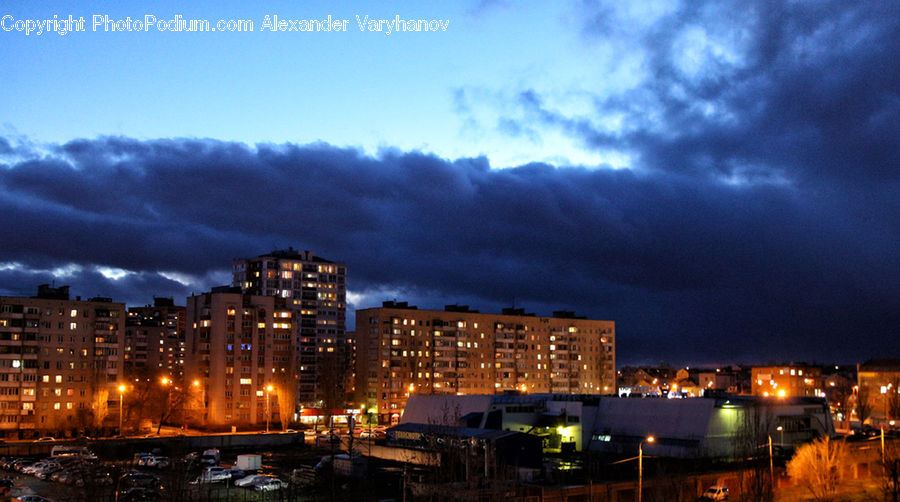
(878, 382)
(238, 345)
(790, 380)
(154, 339)
(316, 289)
(60, 362)
(401, 350)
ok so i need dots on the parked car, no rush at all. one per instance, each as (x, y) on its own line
(32, 498)
(716, 492)
(214, 474)
(157, 461)
(269, 484)
(249, 481)
(131, 480)
(210, 457)
(328, 438)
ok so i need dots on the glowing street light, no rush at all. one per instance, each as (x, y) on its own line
(649, 439)
(121, 407)
(269, 388)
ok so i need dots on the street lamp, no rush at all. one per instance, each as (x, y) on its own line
(121, 407)
(649, 439)
(268, 389)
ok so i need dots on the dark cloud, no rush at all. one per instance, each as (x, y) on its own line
(691, 268)
(756, 90)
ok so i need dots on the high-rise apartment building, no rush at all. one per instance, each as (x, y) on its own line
(402, 350)
(238, 345)
(154, 338)
(316, 289)
(60, 362)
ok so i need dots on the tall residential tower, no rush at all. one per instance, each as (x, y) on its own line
(316, 289)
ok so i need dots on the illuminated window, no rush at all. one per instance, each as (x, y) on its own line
(73, 325)
(246, 381)
(73, 313)
(55, 406)
(58, 378)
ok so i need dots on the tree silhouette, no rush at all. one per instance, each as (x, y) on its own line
(817, 465)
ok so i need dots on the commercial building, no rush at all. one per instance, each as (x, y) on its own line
(402, 351)
(689, 428)
(239, 353)
(154, 339)
(60, 362)
(316, 289)
(789, 380)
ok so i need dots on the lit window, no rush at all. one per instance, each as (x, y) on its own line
(73, 313)
(73, 325)
(246, 381)
(58, 378)
(55, 406)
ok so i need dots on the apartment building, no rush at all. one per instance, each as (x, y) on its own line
(238, 345)
(316, 289)
(401, 350)
(60, 362)
(789, 380)
(878, 382)
(154, 338)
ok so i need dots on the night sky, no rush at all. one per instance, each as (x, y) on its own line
(722, 179)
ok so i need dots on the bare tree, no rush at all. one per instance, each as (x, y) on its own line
(817, 465)
(287, 382)
(751, 454)
(863, 405)
(100, 407)
(893, 398)
(840, 395)
(890, 473)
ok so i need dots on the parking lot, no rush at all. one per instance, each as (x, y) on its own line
(157, 477)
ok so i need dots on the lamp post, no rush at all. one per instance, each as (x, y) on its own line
(771, 463)
(121, 407)
(268, 389)
(780, 430)
(649, 439)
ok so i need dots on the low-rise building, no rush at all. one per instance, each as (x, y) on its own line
(789, 380)
(699, 427)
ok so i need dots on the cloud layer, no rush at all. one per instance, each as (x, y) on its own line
(689, 267)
